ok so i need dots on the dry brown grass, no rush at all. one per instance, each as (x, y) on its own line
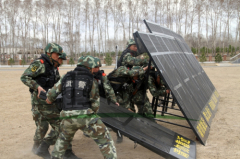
(17, 127)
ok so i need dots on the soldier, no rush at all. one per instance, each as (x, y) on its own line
(128, 57)
(41, 75)
(35, 77)
(120, 79)
(105, 88)
(43, 127)
(80, 104)
(137, 94)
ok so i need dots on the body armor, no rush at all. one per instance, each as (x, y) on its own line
(118, 83)
(76, 87)
(49, 77)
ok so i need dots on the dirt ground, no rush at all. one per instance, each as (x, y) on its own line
(17, 127)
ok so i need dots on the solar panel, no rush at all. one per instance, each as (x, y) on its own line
(194, 92)
(146, 132)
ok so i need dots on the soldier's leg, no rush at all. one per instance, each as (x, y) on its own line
(41, 128)
(119, 97)
(50, 114)
(68, 129)
(143, 107)
(53, 117)
(123, 99)
(147, 107)
(100, 134)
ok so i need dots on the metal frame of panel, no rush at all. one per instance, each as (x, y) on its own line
(188, 82)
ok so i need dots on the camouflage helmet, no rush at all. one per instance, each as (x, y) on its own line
(99, 64)
(53, 47)
(88, 61)
(63, 56)
(130, 42)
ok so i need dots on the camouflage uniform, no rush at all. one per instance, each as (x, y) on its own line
(35, 69)
(109, 92)
(42, 127)
(128, 59)
(123, 93)
(104, 84)
(155, 89)
(43, 113)
(85, 119)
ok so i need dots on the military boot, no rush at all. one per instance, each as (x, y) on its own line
(42, 151)
(70, 155)
(35, 146)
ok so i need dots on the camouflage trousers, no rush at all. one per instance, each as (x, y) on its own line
(41, 126)
(91, 125)
(123, 99)
(138, 100)
(49, 114)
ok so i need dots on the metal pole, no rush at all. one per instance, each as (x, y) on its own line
(116, 56)
(156, 105)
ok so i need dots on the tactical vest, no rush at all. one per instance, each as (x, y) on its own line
(118, 82)
(76, 87)
(98, 77)
(49, 77)
(119, 63)
(136, 83)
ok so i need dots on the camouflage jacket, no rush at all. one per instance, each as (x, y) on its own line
(35, 69)
(155, 90)
(123, 71)
(94, 95)
(109, 92)
(128, 59)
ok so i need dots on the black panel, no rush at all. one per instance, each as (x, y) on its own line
(191, 87)
(146, 132)
(141, 48)
(162, 44)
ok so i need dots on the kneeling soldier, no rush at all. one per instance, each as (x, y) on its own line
(80, 104)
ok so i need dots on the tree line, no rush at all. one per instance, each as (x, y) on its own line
(97, 26)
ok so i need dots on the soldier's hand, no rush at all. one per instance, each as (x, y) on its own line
(39, 90)
(168, 91)
(48, 102)
(145, 68)
(117, 103)
(130, 109)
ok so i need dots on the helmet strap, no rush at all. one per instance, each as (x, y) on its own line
(54, 62)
